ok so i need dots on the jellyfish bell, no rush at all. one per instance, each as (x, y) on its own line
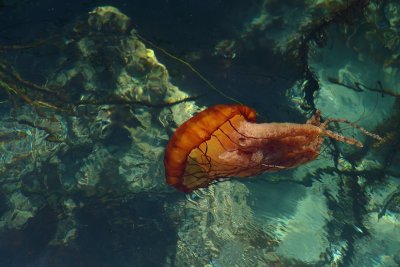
(192, 148)
(225, 141)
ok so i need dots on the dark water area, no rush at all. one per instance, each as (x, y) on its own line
(182, 29)
(91, 93)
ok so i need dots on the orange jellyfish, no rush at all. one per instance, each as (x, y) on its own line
(225, 141)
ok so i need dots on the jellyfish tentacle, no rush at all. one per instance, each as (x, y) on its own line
(315, 119)
(348, 140)
(341, 138)
(273, 166)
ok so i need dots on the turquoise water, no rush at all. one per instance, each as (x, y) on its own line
(91, 92)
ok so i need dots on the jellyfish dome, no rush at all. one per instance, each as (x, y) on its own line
(192, 152)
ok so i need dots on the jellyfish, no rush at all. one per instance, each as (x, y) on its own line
(225, 141)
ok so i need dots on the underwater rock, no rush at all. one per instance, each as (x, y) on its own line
(108, 19)
(304, 238)
(231, 223)
(27, 142)
(220, 229)
(277, 23)
(345, 82)
(392, 14)
(116, 68)
(381, 221)
(67, 225)
(212, 224)
(108, 146)
(382, 246)
(21, 209)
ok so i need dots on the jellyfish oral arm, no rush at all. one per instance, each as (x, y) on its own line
(276, 131)
(272, 146)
